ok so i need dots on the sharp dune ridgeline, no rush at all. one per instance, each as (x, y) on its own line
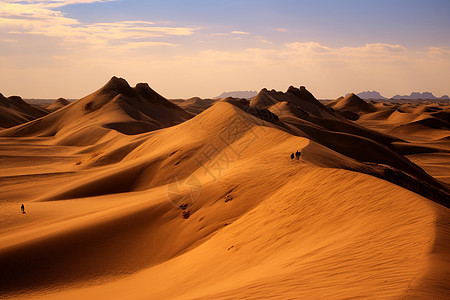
(130, 195)
(115, 106)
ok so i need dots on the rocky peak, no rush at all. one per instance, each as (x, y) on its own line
(117, 85)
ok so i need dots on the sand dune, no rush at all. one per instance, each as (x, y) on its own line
(300, 97)
(353, 104)
(214, 207)
(407, 115)
(351, 107)
(300, 113)
(15, 111)
(418, 119)
(116, 107)
(423, 126)
(194, 105)
(59, 103)
(379, 115)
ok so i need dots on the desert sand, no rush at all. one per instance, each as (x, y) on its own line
(59, 103)
(129, 196)
(14, 111)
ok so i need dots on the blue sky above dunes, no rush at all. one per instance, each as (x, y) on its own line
(338, 23)
(204, 47)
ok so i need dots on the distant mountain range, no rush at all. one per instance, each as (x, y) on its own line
(417, 95)
(369, 95)
(366, 95)
(238, 94)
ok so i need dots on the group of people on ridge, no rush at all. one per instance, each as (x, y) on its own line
(297, 155)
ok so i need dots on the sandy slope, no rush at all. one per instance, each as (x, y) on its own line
(15, 111)
(351, 106)
(115, 106)
(425, 128)
(194, 105)
(59, 103)
(300, 113)
(296, 242)
(104, 220)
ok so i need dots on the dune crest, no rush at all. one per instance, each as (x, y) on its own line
(352, 103)
(194, 105)
(127, 195)
(59, 103)
(116, 106)
(15, 111)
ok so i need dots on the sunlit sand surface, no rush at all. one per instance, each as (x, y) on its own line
(129, 196)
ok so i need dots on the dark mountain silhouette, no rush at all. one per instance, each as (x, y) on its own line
(237, 94)
(420, 96)
(415, 96)
(374, 95)
(371, 95)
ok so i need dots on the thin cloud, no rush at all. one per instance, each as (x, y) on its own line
(375, 51)
(308, 47)
(439, 52)
(239, 32)
(376, 48)
(36, 18)
(312, 53)
(135, 45)
(262, 39)
(54, 3)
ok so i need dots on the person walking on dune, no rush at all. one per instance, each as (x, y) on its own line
(22, 208)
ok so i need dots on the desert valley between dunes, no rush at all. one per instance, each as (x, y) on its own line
(128, 195)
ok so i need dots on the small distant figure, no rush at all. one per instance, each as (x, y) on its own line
(292, 155)
(186, 214)
(22, 208)
(298, 154)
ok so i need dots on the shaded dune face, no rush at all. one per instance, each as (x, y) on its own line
(15, 111)
(411, 118)
(300, 113)
(423, 127)
(352, 103)
(194, 105)
(115, 106)
(59, 103)
(141, 200)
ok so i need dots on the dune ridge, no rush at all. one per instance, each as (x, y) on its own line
(133, 110)
(59, 103)
(212, 206)
(15, 111)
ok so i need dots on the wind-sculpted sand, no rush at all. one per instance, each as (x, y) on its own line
(132, 197)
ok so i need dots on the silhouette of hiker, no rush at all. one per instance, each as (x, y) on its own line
(297, 154)
(292, 155)
(22, 208)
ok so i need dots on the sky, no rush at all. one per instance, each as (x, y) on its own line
(70, 48)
